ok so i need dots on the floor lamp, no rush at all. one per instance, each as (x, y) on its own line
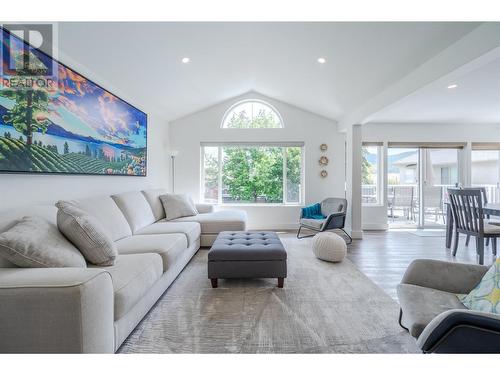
(173, 154)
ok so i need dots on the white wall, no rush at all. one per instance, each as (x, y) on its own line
(26, 189)
(375, 217)
(187, 133)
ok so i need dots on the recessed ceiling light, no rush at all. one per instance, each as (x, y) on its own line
(321, 60)
(185, 60)
(453, 86)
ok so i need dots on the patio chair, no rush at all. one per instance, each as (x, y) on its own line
(331, 216)
(403, 199)
(434, 201)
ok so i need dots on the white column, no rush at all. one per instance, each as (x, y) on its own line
(385, 180)
(353, 180)
(464, 165)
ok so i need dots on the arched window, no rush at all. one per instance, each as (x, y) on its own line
(252, 114)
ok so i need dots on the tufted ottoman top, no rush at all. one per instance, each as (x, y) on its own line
(243, 245)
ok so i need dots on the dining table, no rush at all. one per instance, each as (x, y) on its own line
(489, 209)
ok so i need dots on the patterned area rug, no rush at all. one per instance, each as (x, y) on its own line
(323, 308)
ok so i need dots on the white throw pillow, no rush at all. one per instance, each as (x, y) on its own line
(34, 242)
(178, 205)
(86, 233)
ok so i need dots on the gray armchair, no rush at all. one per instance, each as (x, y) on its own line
(334, 210)
(433, 314)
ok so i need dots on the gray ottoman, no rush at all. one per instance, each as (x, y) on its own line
(241, 254)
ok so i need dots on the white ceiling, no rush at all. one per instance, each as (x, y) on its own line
(475, 100)
(275, 59)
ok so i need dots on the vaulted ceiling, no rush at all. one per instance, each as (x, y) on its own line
(276, 59)
(469, 95)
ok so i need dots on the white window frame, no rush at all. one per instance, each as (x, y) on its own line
(284, 146)
(379, 184)
(230, 109)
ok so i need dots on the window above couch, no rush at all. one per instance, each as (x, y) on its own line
(252, 173)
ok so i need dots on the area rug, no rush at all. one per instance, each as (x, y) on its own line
(323, 308)
(429, 233)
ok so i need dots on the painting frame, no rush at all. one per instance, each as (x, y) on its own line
(92, 82)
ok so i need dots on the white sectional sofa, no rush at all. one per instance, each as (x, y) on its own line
(94, 309)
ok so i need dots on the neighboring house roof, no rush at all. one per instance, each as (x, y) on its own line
(444, 157)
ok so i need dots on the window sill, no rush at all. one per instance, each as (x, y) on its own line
(257, 205)
(372, 205)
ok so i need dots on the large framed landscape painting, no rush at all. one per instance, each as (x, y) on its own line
(73, 126)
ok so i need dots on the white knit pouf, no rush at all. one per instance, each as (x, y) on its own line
(329, 246)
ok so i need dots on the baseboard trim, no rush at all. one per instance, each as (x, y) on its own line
(375, 226)
(357, 234)
(275, 227)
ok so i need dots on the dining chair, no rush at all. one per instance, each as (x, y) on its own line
(484, 195)
(467, 211)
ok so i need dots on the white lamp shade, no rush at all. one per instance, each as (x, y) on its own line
(174, 153)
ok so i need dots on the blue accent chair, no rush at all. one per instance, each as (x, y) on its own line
(330, 214)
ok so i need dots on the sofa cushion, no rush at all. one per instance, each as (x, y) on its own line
(133, 276)
(87, 233)
(190, 229)
(168, 246)
(420, 305)
(215, 222)
(178, 205)
(36, 243)
(9, 218)
(104, 209)
(153, 198)
(135, 208)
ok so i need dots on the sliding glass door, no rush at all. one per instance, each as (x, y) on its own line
(485, 172)
(439, 172)
(402, 186)
(417, 183)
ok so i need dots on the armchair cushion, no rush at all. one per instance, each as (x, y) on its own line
(312, 223)
(333, 205)
(486, 295)
(420, 305)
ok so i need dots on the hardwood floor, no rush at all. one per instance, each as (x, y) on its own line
(384, 256)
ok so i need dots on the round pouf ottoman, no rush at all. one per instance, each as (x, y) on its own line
(329, 246)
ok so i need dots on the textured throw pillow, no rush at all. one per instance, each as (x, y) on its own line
(312, 212)
(178, 205)
(33, 242)
(486, 295)
(86, 233)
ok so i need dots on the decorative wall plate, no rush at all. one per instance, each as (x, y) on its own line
(323, 147)
(323, 160)
(324, 173)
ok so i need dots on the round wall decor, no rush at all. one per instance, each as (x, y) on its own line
(323, 147)
(323, 160)
(324, 173)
